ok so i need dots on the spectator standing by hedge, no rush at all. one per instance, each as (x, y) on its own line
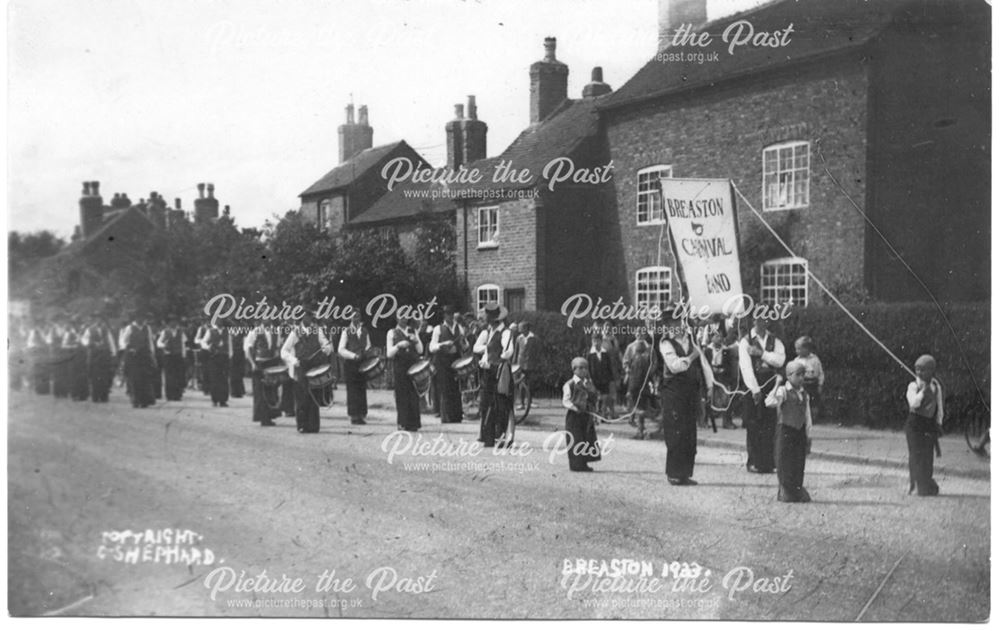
(925, 397)
(599, 366)
(791, 401)
(761, 355)
(814, 377)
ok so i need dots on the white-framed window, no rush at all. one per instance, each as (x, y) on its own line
(489, 226)
(486, 293)
(323, 214)
(652, 287)
(648, 202)
(786, 176)
(784, 280)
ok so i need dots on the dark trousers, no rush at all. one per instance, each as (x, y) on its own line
(288, 398)
(237, 371)
(41, 371)
(406, 398)
(139, 369)
(494, 408)
(921, 435)
(759, 421)
(157, 376)
(204, 359)
(357, 390)
(790, 452)
(79, 384)
(173, 376)
(449, 394)
(306, 408)
(582, 437)
(218, 377)
(61, 373)
(100, 372)
(679, 420)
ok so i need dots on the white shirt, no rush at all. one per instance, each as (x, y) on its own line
(677, 364)
(288, 348)
(161, 340)
(391, 341)
(483, 342)
(126, 336)
(90, 337)
(567, 398)
(778, 395)
(457, 332)
(775, 359)
(915, 399)
(342, 346)
(205, 345)
(251, 340)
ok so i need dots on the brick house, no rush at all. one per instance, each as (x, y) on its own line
(522, 244)
(881, 104)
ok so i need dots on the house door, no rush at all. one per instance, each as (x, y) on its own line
(514, 299)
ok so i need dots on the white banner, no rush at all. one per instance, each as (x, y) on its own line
(701, 217)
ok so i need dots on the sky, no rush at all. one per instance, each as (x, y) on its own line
(159, 95)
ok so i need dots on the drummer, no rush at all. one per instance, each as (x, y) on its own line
(497, 348)
(261, 349)
(447, 345)
(404, 348)
(354, 347)
(306, 347)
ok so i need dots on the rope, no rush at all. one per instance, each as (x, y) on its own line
(909, 269)
(879, 589)
(821, 285)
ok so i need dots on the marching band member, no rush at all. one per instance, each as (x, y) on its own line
(136, 341)
(172, 343)
(101, 353)
(156, 378)
(76, 363)
(60, 360)
(353, 348)
(303, 350)
(685, 374)
(761, 355)
(497, 348)
(262, 350)
(202, 358)
(404, 348)
(287, 405)
(237, 367)
(218, 345)
(447, 345)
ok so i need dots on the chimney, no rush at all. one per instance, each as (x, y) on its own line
(354, 137)
(91, 209)
(201, 191)
(548, 83)
(596, 87)
(453, 138)
(211, 191)
(473, 134)
(177, 203)
(675, 13)
(206, 208)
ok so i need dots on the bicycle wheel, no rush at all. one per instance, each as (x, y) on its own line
(522, 394)
(977, 435)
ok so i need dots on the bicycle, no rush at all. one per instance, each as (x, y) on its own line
(522, 393)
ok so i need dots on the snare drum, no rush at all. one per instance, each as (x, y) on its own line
(420, 373)
(372, 368)
(516, 373)
(320, 377)
(274, 376)
(464, 367)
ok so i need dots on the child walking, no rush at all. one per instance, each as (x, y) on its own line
(792, 432)
(806, 352)
(925, 397)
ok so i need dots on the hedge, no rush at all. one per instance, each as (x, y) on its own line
(864, 385)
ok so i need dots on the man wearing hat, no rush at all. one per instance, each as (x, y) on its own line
(686, 374)
(447, 345)
(761, 355)
(404, 348)
(137, 344)
(496, 345)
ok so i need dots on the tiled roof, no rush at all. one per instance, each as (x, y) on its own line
(404, 202)
(344, 174)
(820, 27)
(558, 135)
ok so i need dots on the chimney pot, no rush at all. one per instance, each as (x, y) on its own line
(201, 191)
(473, 114)
(211, 191)
(550, 49)
(177, 203)
(350, 114)
(597, 74)
(95, 189)
(86, 189)
(459, 111)
(363, 115)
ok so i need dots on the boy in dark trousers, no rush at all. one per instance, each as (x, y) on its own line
(791, 432)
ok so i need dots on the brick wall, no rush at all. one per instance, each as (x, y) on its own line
(513, 264)
(722, 132)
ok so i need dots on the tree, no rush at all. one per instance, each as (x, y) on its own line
(25, 250)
